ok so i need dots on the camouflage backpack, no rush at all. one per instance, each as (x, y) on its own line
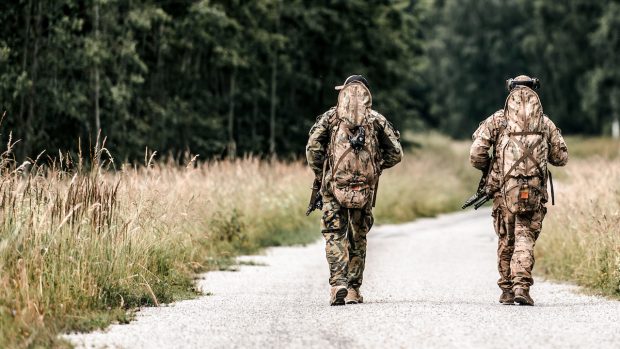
(353, 148)
(523, 152)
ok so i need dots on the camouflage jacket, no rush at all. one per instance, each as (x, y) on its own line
(486, 136)
(316, 149)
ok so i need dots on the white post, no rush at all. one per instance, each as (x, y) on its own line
(614, 99)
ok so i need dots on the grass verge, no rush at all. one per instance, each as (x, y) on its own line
(580, 241)
(78, 248)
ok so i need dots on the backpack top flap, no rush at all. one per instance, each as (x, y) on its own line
(523, 142)
(523, 111)
(354, 103)
(524, 152)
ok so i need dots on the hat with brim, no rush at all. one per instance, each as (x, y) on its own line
(352, 79)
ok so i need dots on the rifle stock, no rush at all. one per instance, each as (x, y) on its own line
(481, 196)
(316, 200)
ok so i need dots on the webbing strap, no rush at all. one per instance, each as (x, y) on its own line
(324, 171)
(333, 119)
(346, 152)
(527, 153)
(528, 133)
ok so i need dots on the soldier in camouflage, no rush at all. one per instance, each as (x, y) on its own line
(345, 229)
(517, 233)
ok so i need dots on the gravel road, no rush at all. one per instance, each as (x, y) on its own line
(428, 284)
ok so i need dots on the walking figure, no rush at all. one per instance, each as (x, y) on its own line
(348, 148)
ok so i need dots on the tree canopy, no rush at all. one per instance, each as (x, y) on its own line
(231, 77)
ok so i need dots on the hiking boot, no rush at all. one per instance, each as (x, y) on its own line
(522, 296)
(353, 296)
(338, 293)
(507, 297)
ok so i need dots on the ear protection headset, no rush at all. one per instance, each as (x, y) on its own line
(532, 83)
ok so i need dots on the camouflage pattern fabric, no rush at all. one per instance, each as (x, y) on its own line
(355, 171)
(316, 149)
(345, 229)
(486, 136)
(517, 233)
(345, 233)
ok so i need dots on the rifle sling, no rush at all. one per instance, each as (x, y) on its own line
(346, 152)
(551, 184)
(323, 174)
(528, 133)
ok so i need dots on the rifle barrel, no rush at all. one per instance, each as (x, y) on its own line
(481, 202)
(472, 200)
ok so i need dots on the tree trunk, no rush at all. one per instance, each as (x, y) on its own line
(272, 111)
(22, 99)
(232, 146)
(32, 98)
(255, 144)
(615, 109)
(96, 68)
(274, 97)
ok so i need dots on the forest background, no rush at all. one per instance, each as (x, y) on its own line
(82, 244)
(228, 78)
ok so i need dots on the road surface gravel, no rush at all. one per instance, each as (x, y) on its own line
(428, 284)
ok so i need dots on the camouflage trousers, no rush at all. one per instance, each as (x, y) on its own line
(345, 232)
(517, 235)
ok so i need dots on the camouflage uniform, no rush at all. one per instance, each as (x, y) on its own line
(517, 233)
(344, 229)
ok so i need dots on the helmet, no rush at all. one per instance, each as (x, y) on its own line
(352, 79)
(523, 80)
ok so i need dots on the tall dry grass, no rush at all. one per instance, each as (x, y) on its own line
(435, 177)
(78, 247)
(580, 240)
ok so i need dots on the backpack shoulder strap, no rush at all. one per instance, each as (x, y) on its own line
(500, 124)
(333, 116)
(527, 152)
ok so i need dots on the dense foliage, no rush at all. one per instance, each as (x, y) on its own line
(215, 77)
(473, 46)
(229, 77)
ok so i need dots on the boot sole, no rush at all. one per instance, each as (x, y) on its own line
(354, 301)
(522, 301)
(340, 296)
(507, 303)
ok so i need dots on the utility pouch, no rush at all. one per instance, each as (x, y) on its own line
(523, 194)
(353, 195)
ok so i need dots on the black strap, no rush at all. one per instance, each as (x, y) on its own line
(528, 133)
(551, 184)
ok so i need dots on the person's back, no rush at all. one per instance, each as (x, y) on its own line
(524, 141)
(348, 148)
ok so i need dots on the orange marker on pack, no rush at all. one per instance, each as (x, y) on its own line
(524, 192)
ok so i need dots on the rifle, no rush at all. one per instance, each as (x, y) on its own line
(481, 196)
(316, 200)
